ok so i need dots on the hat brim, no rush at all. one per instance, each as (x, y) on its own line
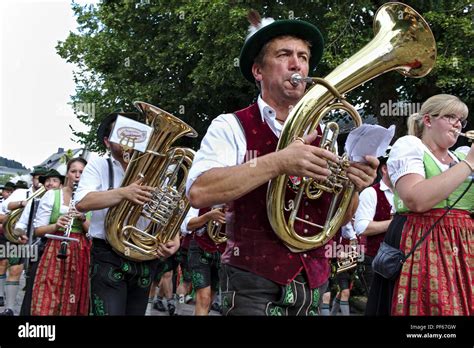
(109, 119)
(297, 28)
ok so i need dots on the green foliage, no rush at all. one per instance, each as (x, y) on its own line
(5, 162)
(4, 178)
(182, 56)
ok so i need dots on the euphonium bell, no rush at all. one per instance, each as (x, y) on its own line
(12, 218)
(136, 231)
(403, 42)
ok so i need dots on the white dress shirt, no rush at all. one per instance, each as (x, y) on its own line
(347, 231)
(45, 208)
(96, 178)
(192, 213)
(16, 196)
(225, 145)
(367, 203)
(406, 157)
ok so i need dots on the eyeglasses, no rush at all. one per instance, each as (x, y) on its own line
(453, 119)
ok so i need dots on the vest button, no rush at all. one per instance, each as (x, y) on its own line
(306, 204)
(305, 255)
(305, 230)
(306, 216)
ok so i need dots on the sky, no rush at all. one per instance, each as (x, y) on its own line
(35, 82)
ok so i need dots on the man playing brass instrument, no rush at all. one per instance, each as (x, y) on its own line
(118, 286)
(260, 275)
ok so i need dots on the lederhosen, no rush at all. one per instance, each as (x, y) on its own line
(118, 286)
(204, 258)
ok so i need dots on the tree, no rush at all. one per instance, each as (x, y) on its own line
(183, 56)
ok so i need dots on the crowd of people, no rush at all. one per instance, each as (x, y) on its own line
(422, 186)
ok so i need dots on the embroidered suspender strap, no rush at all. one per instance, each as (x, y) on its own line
(111, 174)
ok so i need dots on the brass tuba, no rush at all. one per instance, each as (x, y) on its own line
(403, 42)
(133, 230)
(12, 218)
(216, 230)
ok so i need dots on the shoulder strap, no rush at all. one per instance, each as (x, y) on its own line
(111, 173)
(239, 123)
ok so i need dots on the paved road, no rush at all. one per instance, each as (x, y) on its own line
(182, 309)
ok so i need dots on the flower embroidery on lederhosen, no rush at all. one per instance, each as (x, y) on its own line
(98, 307)
(313, 309)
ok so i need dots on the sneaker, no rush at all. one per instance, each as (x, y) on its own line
(171, 309)
(7, 313)
(215, 307)
(2, 301)
(159, 306)
(188, 298)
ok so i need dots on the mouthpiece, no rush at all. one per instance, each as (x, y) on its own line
(297, 79)
(468, 134)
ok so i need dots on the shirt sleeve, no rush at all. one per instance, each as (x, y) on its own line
(366, 210)
(22, 222)
(45, 208)
(90, 180)
(348, 232)
(224, 145)
(16, 196)
(406, 157)
(192, 213)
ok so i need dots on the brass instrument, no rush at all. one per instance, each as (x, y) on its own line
(468, 134)
(11, 233)
(66, 237)
(136, 231)
(403, 42)
(216, 230)
(348, 261)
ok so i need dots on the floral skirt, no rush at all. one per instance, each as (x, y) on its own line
(438, 278)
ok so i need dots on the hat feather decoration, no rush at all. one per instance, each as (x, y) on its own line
(257, 22)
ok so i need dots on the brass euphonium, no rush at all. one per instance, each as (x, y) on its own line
(216, 230)
(12, 218)
(403, 42)
(134, 230)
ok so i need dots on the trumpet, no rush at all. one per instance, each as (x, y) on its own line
(65, 238)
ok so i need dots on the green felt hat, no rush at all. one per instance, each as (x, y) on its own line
(269, 29)
(39, 170)
(52, 173)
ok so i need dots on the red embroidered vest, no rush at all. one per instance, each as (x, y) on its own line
(252, 245)
(382, 212)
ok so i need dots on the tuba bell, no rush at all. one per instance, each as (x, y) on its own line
(12, 218)
(404, 42)
(136, 231)
(216, 230)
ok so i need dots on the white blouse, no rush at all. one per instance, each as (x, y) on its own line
(406, 157)
(45, 208)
